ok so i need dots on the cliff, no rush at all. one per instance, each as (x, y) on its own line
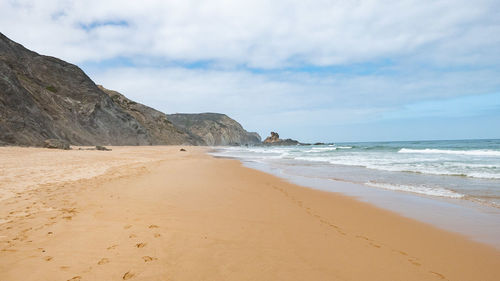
(43, 97)
(214, 129)
(161, 130)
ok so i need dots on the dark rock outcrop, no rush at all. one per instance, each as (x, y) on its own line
(57, 144)
(102, 148)
(274, 139)
(214, 129)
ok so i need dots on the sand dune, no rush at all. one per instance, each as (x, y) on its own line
(155, 213)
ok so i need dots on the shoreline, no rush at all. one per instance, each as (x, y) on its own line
(478, 220)
(191, 216)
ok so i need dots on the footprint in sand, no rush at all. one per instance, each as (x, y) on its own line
(127, 226)
(415, 263)
(69, 210)
(157, 235)
(132, 236)
(103, 261)
(438, 274)
(140, 245)
(128, 275)
(76, 278)
(48, 258)
(148, 258)
(112, 247)
(153, 226)
(401, 252)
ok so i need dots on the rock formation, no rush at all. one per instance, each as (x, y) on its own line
(44, 98)
(274, 139)
(161, 130)
(57, 144)
(214, 129)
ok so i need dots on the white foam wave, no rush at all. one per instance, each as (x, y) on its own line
(323, 149)
(420, 189)
(424, 161)
(454, 152)
(393, 166)
(483, 175)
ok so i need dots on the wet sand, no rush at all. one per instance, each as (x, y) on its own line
(155, 213)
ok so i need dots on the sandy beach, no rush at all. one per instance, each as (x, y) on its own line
(156, 213)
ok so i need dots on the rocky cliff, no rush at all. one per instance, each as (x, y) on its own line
(161, 130)
(44, 97)
(214, 129)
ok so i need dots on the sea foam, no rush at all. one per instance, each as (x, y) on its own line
(454, 152)
(420, 189)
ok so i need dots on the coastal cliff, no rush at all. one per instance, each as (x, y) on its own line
(161, 130)
(43, 97)
(214, 129)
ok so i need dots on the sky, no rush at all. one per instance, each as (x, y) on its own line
(331, 71)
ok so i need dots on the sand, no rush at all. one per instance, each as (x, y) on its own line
(155, 213)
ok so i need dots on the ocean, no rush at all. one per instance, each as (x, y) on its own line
(459, 169)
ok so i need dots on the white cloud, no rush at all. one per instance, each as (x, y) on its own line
(262, 34)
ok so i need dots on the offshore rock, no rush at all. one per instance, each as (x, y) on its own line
(274, 139)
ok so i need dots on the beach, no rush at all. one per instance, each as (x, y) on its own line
(158, 213)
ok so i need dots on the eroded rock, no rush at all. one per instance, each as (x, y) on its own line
(56, 144)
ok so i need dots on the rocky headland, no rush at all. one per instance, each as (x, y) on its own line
(274, 139)
(45, 98)
(214, 129)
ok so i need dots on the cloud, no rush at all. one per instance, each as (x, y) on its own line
(259, 34)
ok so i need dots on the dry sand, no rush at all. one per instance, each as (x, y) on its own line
(155, 213)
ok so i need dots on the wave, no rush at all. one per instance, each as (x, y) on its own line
(331, 148)
(435, 171)
(454, 152)
(421, 161)
(328, 148)
(402, 167)
(419, 189)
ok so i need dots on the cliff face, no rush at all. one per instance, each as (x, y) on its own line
(159, 128)
(46, 98)
(214, 129)
(43, 98)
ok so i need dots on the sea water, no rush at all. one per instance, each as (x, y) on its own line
(465, 169)
(454, 185)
